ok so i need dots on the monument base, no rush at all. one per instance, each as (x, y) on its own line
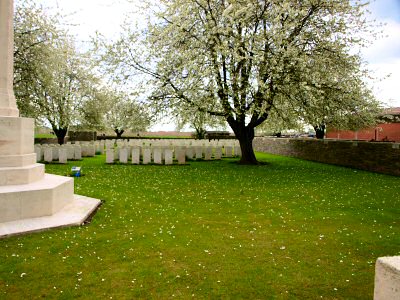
(387, 278)
(31, 200)
(75, 213)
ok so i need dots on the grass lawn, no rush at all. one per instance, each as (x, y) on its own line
(45, 136)
(289, 229)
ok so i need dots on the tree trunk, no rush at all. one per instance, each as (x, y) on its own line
(245, 135)
(200, 133)
(119, 133)
(248, 156)
(319, 131)
(60, 132)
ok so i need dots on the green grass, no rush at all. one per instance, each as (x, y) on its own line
(45, 136)
(289, 229)
(168, 137)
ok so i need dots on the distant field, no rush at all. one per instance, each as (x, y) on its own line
(288, 229)
(45, 136)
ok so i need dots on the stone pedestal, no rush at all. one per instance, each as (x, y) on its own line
(387, 278)
(27, 194)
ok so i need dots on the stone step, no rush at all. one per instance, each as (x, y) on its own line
(7, 161)
(74, 213)
(21, 175)
(41, 198)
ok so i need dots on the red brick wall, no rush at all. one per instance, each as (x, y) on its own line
(377, 157)
(389, 132)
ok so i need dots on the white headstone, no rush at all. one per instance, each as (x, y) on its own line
(208, 153)
(48, 154)
(62, 155)
(39, 153)
(110, 156)
(55, 151)
(199, 152)
(109, 144)
(228, 151)
(70, 152)
(238, 151)
(189, 152)
(123, 156)
(146, 155)
(181, 155)
(91, 150)
(218, 153)
(136, 155)
(168, 156)
(77, 152)
(157, 156)
(85, 149)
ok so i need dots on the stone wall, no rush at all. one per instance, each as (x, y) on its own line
(375, 157)
(49, 140)
(82, 136)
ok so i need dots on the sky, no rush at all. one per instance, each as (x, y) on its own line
(383, 56)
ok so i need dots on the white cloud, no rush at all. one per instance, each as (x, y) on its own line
(383, 57)
(387, 90)
(386, 48)
(89, 16)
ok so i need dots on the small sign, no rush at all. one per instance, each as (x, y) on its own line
(76, 171)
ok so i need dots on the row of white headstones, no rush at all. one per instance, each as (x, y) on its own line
(51, 153)
(139, 151)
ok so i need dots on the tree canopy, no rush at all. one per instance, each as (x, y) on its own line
(58, 85)
(246, 60)
(124, 113)
(52, 80)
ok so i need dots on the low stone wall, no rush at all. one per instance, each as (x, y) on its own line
(82, 136)
(49, 140)
(375, 157)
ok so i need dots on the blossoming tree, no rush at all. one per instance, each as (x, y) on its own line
(247, 59)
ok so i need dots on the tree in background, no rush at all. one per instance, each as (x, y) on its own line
(250, 58)
(93, 111)
(354, 106)
(276, 124)
(124, 113)
(200, 121)
(52, 80)
(33, 33)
